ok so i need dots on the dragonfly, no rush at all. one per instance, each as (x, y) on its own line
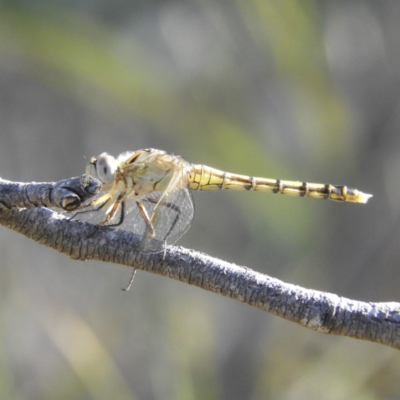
(149, 192)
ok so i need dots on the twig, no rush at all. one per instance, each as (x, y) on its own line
(67, 194)
(320, 311)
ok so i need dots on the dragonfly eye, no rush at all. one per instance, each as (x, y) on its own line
(105, 167)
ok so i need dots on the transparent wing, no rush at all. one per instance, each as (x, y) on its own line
(127, 217)
(171, 216)
(171, 213)
(97, 214)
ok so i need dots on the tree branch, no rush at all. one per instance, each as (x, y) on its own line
(322, 312)
(67, 194)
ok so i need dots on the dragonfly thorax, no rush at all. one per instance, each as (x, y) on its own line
(146, 171)
(144, 180)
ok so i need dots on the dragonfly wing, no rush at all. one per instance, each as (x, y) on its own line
(171, 216)
(170, 211)
(97, 214)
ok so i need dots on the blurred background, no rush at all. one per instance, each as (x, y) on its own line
(299, 90)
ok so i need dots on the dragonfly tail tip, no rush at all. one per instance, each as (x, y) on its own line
(364, 197)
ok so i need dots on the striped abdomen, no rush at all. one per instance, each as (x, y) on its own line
(202, 177)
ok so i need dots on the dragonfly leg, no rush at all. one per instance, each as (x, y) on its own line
(121, 216)
(170, 206)
(104, 201)
(146, 218)
(111, 213)
(104, 198)
(130, 281)
(99, 201)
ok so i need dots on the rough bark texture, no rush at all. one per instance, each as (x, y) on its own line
(323, 312)
(67, 194)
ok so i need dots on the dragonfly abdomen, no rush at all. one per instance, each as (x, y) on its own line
(202, 177)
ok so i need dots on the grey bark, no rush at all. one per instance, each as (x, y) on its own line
(320, 311)
(67, 194)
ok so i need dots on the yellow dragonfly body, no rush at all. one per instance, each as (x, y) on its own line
(148, 192)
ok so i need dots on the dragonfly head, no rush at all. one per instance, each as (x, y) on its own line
(102, 167)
